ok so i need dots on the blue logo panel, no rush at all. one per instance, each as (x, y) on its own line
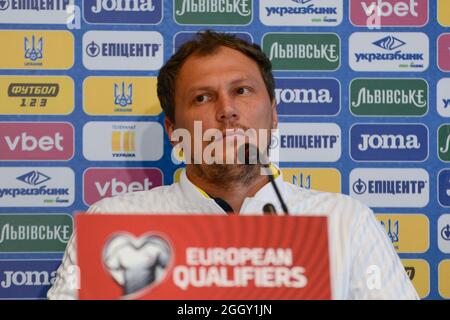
(444, 187)
(389, 142)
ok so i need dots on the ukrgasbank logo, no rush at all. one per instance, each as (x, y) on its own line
(443, 97)
(123, 12)
(389, 142)
(301, 12)
(388, 97)
(390, 188)
(214, 12)
(395, 51)
(303, 51)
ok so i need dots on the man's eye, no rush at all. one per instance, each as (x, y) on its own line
(201, 98)
(242, 90)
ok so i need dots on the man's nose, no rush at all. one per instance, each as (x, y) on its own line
(226, 110)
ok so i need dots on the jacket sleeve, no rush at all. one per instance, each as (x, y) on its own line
(376, 269)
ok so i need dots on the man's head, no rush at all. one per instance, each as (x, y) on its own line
(223, 83)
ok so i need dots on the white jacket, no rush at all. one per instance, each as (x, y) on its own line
(358, 244)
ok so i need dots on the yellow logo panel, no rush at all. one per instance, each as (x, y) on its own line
(323, 179)
(444, 278)
(120, 96)
(36, 49)
(444, 12)
(409, 233)
(36, 95)
(418, 271)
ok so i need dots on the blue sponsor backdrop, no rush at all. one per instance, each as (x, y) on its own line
(160, 18)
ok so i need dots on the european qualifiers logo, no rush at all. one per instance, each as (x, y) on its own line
(389, 142)
(33, 50)
(308, 96)
(35, 12)
(443, 97)
(303, 51)
(375, 14)
(37, 187)
(213, 12)
(393, 52)
(123, 97)
(123, 11)
(35, 233)
(390, 188)
(444, 52)
(184, 36)
(123, 50)
(301, 12)
(27, 279)
(389, 97)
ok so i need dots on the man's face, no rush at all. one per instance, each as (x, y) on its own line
(224, 90)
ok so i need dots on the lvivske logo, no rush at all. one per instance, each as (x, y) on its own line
(120, 96)
(123, 11)
(22, 279)
(130, 141)
(444, 52)
(123, 50)
(443, 97)
(35, 12)
(390, 188)
(37, 49)
(301, 12)
(303, 51)
(307, 97)
(213, 12)
(389, 142)
(36, 95)
(37, 187)
(389, 97)
(444, 142)
(35, 233)
(375, 14)
(310, 142)
(395, 52)
(36, 141)
(99, 183)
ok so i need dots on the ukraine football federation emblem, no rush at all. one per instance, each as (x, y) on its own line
(123, 98)
(392, 231)
(137, 263)
(33, 50)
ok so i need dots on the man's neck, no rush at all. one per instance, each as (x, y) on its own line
(234, 193)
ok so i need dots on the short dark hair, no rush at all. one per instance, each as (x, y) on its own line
(206, 43)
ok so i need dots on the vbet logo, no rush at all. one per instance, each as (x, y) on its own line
(303, 51)
(35, 232)
(443, 97)
(323, 179)
(100, 183)
(394, 51)
(409, 233)
(390, 188)
(123, 11)
(389, 97)
(37, 187)
(301, 12)
(215, 12)
(184, 36)
(389, 142)
(444, 52)
(37, 49)
(120, 96)
(444, 233)
(27, 279)
(308, 96)
(116, 141)
(35, 12)
(36, 141)
(309, 142)
(36, 95)
(375, 14)
(123, 50)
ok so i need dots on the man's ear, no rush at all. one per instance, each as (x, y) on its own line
(274, 114)
(170, 127)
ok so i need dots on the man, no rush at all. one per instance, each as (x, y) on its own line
(227, 84)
